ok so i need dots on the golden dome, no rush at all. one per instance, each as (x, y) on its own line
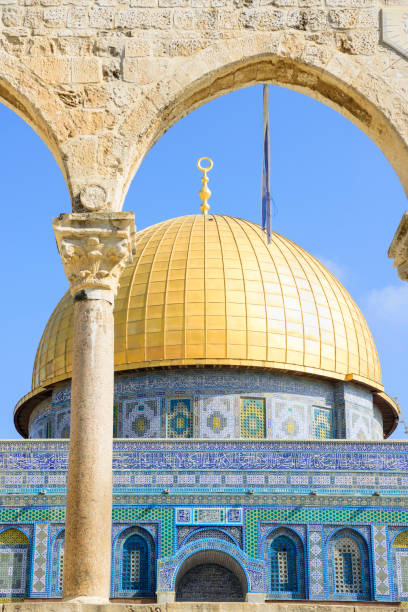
(209, 290)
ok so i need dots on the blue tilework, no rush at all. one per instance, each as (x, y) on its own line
(290, 401)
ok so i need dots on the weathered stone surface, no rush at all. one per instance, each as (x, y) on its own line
(139, 65)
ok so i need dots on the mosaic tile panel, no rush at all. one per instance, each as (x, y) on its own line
(39, 570)
(342, 516)
(253, 420)
(180, 418)
(292, 397)
(401, 540)
(134, 563)
(141, 418)
(322, 423)
(207, 515)
(289, 420)
(14, 567)
(217, 417)
(349, 572)
(380, 556)
(401, 566)
(316, 568)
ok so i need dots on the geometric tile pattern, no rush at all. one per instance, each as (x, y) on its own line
(401, 540)
(316, 575)
(347, 566)
(342, 516)
(141, 418)
(292, 403)
(14, 566)
(217, 417)
(401, 562)
(322, 423)
(252, 418)
(40, 558)
(289, 421)
(380, 556)
(180, 418)
(349, 572)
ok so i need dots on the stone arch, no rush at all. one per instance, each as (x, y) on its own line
(218, 576)
(400, 564)
(26, 94)
(285, 553)
(348, 564)
(334, 78)
(140, 542)
(15, 562)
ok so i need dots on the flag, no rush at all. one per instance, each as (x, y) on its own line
(266, 176)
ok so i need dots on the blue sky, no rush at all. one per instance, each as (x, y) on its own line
(335, 195)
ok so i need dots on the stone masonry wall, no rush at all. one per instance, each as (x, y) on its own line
(101, 80)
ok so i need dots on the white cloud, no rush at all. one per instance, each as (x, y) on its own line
(339, 271)
(389, 304)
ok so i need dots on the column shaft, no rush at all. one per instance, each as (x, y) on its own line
(87, 555)
(94, 249)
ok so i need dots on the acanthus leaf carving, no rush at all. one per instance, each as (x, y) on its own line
(95, 248)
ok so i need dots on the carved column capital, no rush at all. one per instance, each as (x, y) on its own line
(94, 248)
(398, 250)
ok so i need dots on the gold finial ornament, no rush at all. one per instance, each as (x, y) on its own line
(205, 192)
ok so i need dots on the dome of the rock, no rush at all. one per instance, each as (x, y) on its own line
(209, 291)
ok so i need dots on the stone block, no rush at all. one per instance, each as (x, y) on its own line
(81, 154)
(143, 3)
(51, 69)
(12, 16)
(137, 47)
(55, 17)
(368, 18)
(173, 3)
(33, 18)
(144, 19)
(262, 19)
(101, 17)
(343, 18)
(313, 20)
(184, 20)
(357, 42)
(78, 17)
(144, 70)
(86, 70)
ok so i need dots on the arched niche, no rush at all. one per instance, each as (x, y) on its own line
(285, 554)
(349, 572)
(211, 575)
(14, 563)
(134, 565)
(400, 564)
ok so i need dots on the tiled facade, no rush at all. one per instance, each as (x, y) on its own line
(334, 511)
(223, 404)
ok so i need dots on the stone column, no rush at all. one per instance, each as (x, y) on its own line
(94, 249)
(398, 250)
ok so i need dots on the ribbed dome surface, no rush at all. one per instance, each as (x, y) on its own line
(209, 290)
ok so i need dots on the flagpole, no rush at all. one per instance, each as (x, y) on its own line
(266, 177)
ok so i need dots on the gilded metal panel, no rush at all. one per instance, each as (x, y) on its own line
(208, 289)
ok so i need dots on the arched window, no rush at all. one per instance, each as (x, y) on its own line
(347, 566)
(400, 559)
(14, 546)
(135, 565)
(284, 565)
